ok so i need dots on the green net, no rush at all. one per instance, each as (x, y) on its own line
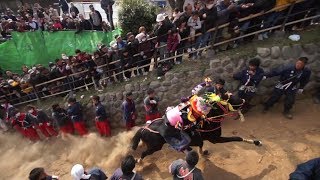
(38, 47)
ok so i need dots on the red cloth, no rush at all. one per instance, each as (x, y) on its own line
(103, 127)
(67, 128)
(80, 128)
(47, 130)
(173, 42)
(150, 117)
(20, 130)
(57, 26)
(31, 133)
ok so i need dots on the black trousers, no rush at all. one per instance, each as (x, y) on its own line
(289, 100)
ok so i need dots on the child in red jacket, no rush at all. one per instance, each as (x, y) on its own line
(172, 43)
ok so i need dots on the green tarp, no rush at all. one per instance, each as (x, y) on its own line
(38, 47)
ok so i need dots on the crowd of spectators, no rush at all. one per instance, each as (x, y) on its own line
(36, 17)
(182, 32)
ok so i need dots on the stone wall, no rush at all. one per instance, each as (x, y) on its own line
(178, 84)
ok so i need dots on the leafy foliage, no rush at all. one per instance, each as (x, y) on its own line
(136, 13)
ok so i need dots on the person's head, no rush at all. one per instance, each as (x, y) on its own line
(9, 73)
(219, 83)
(254, 64)
(129, 95)
(72, 101)
(192, 158)
(95, 99)
(142, 29)
(81, 16)
(301, 62)
(197, 5)
(78, 173)
(227, 2)
(128, 164)
(174, 31)
(188, 9)
(91, 8)
(71, 4)
(208, 81)
(37, 174)
(30, 108)
(24, 68)
(118, 38)
(195, 15)
(151, 92)
(30, 19)
(77, 51)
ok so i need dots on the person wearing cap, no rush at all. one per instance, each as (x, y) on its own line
(75, 112)
(293, 78)
(161, 31)
(186, 169)
(78, 173)
(128, 108)
(62, 120)
(249, 78)
(101, 119)
(125, 172)
(40, 174)
(43, 122)
(151, 105)
(95, 18)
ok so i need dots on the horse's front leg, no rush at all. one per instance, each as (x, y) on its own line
(235, 139)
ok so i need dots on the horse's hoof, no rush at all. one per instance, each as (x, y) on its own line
(257, 143)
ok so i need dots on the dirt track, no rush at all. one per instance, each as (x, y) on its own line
(285, 144)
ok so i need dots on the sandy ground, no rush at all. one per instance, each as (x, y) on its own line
(286, 143)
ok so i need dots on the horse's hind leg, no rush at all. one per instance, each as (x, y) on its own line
(149, 151)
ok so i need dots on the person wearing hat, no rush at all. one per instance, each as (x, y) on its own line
(151, 105)
(101, 119)
(43, 122)
(129, 111)
(62, 120)
(125, 172)
(78, 173)
(186, 169)
(249, 79)
(161, 31)
(40, 174)
(75, 112)
(293, 78)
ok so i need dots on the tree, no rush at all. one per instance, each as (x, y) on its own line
(136, 13)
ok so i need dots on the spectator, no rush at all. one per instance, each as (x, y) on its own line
(133, 48)
(62, 120)
(290, 77)
(129, 111)
(95, 18)
(101, 119)
(197, 6)
(173, 42)
(188, 9)
(120, 43)
(309, 170)
(63, 4)
(31, 23)
(161, 31)
(105, 27)
(194, 25)
(40, 174)
(43, 122)
(126, 63)
(74, 9)
(176, 15)
(75, 112)
(125, 172)
(84, 24)
(78, 173)
(151, 106)
(146, 49)
(106, 5)
(184, 32)
(218, 88)
(249, 79)
(57, 24)
(187, 169)
(224, 9)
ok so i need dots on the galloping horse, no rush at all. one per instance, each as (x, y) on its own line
(210, 130)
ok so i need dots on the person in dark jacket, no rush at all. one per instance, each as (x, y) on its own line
(125, 172)
(62, 120)
(309, 170)
(106, 5)
(40, 174)
(249, 80)
(126, 63)
(63, 4)
(84, 24)
(218, 88)
(293, 78)
(75, 112)
(129, 111)
(74, 9)
(161, 31)
(78, 173)
(95, 18)
(187, 169)
(151, 105)
(101, 119)
(208, 15)
(43, 123)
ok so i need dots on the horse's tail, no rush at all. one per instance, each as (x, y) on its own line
(136, 139)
